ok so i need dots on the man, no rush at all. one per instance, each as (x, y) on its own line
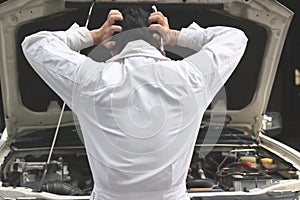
(139, 111)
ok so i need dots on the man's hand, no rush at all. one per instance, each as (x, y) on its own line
(108, 28)
(169, 36)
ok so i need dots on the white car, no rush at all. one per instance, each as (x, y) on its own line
(233, 157)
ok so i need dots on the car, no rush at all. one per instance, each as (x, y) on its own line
(234, 158)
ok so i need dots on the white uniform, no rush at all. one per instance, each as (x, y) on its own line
(139, 111)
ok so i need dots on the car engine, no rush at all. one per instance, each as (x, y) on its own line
(67, 174)
(237, 169)
(234, 163)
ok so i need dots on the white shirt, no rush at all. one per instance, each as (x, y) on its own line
(139, 112)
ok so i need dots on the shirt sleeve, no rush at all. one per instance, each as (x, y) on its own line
(54, 56)
(219, 50)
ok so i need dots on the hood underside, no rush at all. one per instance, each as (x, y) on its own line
(265, 23)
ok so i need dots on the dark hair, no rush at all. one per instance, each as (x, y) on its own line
(134, 27)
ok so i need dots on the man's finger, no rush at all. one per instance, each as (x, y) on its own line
(109, 44)
(114, 17)
(155, 18)
(113, 12)
(156, 37)
(156, 27)
(115, 28)
(157, 13)
(159, 19)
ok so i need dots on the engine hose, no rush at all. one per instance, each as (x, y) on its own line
(61, 188)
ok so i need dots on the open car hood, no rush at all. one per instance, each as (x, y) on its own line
(273, 17)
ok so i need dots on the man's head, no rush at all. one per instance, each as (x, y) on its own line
(134, 27)
(134, 17)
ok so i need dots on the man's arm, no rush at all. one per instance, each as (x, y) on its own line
(54, 55)
(219, 50)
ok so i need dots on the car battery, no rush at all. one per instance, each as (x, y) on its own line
(247, 182)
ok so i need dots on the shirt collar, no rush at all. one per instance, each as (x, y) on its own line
(138, 48)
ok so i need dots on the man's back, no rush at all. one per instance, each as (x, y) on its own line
(144, 118)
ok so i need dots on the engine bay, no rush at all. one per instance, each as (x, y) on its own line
(236, 169)
(68, 172)
(225, 166)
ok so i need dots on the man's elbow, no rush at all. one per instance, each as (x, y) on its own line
(26, 46)
(241, 37)
(33, 41)
(25, 43)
